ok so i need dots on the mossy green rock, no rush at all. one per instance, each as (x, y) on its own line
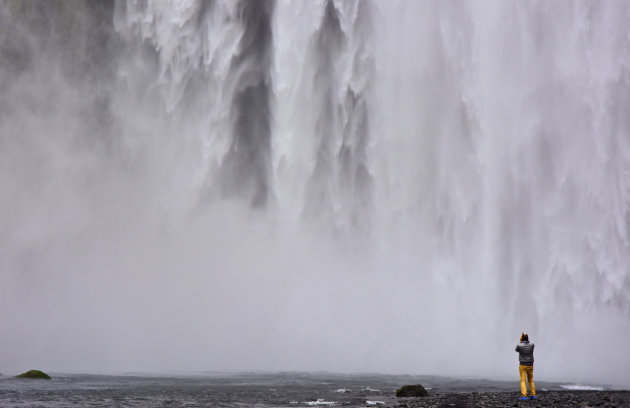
(411, 391)
(34, 374)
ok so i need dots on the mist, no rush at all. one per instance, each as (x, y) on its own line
(347, 186)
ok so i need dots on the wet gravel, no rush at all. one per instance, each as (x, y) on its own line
(555, 399)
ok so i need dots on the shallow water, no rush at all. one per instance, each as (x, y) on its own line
(237, 390)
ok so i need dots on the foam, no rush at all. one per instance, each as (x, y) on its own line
(577, 387)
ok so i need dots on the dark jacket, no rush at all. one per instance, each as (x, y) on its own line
(525, 353)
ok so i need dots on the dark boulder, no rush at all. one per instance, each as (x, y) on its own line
(34, 374)
(411, 391)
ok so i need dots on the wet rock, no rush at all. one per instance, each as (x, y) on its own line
(407, 391)
(34, 374)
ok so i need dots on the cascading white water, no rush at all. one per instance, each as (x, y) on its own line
(390, 186)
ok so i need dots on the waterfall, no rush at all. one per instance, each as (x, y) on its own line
(330, 184)
(340, 181)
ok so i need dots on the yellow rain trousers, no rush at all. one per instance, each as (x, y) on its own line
(527, 371)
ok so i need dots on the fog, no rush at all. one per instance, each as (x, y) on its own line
(348, 186)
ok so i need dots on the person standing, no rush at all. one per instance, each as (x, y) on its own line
(525, 351)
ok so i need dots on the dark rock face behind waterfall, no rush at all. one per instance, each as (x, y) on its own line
(355, 177)
(326, 47)
(246, 167)
(341, 178)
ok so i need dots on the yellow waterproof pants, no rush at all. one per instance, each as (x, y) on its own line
(527, 371)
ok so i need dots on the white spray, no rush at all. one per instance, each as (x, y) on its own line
(436, 177)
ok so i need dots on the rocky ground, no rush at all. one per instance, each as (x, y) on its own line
(555, 399)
